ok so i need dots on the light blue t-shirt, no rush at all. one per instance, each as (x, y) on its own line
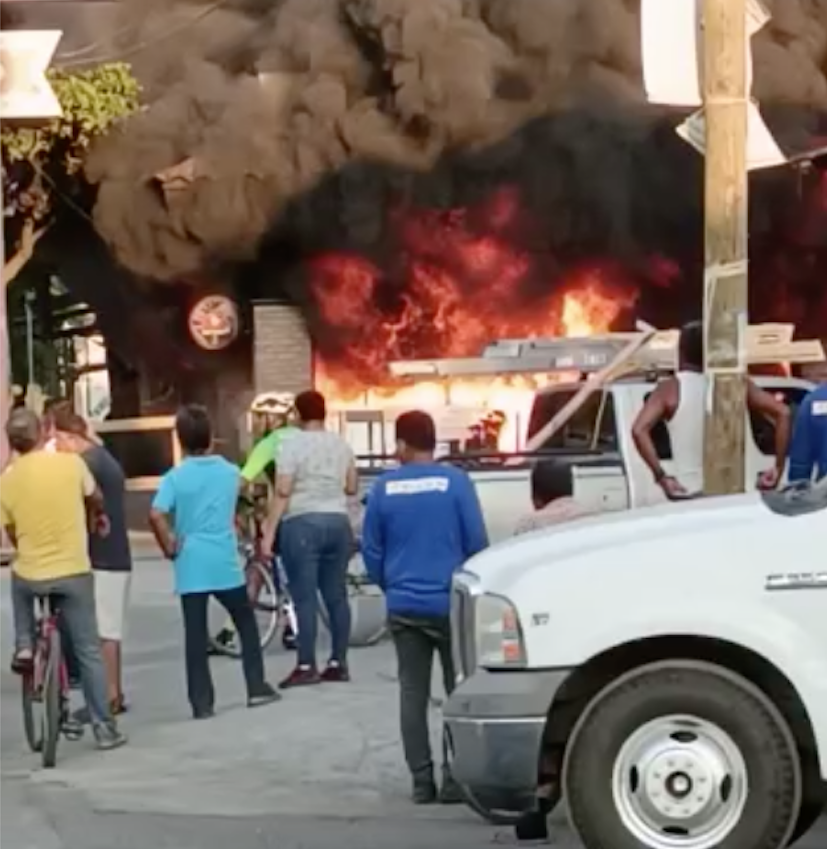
(201, 494)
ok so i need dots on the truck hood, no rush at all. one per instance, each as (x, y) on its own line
(616, 531)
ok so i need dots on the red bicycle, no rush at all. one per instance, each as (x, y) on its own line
(46, 687)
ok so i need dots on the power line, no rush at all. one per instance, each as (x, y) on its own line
(136, 48)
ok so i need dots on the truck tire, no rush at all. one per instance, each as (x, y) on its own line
(682, 753)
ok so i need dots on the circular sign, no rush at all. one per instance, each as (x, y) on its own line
(213, 322)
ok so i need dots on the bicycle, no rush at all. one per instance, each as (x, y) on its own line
(45, 687)
(270, 600)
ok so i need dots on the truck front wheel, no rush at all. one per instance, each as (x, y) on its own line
(682, 755)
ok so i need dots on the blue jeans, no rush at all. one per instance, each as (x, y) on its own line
(76, 597)
(315, 549)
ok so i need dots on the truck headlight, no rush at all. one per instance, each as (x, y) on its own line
(499, 635)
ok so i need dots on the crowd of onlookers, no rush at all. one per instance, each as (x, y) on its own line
(62, 500)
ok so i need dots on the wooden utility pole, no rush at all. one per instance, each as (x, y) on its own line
(725, 101)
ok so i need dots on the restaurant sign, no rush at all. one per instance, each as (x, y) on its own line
(214, 322)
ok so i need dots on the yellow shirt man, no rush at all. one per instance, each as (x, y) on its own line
(42, 498)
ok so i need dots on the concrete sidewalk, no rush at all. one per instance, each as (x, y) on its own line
(331, 750)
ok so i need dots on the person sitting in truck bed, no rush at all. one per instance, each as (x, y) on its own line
(680, 402)
(552, 493)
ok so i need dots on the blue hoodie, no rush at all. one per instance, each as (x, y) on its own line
(423, 521)
(808, 448)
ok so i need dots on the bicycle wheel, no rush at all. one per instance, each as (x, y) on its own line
(267, 612)
(32, 712)
(51, 700)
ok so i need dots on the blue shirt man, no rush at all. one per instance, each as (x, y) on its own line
(808, 448)
(193, 519)
(201, 494)
(423, 521)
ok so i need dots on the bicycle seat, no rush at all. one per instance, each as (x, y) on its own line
(797, 499)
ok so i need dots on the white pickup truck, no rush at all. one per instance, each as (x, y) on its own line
(609, 474)
(663, 671)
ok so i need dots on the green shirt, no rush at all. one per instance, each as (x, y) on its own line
(266, 451)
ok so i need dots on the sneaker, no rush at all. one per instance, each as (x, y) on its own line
(224, 638)
(266, 696)
(424, 792)
(108, 737)
(336, 673)
(532, 827)
(450, 793)
(22, 661)
(203, 713)
(301, 676)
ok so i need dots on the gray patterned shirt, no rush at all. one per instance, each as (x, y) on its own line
(318, 461)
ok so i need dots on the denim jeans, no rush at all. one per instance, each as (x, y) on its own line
(199, 681)
(75, 597)
(315, 550)
(417, 639)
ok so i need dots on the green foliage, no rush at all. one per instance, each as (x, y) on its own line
(92, 101)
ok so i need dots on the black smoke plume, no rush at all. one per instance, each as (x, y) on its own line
(274, 129)
(259, 103)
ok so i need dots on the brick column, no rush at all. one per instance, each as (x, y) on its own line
(282, 353)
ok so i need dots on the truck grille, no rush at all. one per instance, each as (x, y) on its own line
(462, 630)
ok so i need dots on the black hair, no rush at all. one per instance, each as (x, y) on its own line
(691, 345)
(66, 420)
(194, 429)
(311, 406)
(550, 480)
(417, 430)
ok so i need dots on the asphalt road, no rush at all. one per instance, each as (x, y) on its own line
(320, 770)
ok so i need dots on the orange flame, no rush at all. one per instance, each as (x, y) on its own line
(461, 280)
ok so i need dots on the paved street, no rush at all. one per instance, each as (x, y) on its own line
(321, 769)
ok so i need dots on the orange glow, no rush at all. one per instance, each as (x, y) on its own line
(457, 281)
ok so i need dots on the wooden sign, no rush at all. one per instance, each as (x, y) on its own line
(24, 59)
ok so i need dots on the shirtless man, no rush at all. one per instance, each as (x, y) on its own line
(680, 402)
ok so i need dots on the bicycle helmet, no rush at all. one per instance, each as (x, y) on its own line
(273, 403)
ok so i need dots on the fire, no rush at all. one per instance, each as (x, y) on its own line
(456, 281)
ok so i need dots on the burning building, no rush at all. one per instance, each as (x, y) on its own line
(419, 177)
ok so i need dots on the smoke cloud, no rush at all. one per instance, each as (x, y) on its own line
(305, 114)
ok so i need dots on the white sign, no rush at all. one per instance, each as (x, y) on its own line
(671, 46)
(762, 149)
(671, 49)
(24, 59)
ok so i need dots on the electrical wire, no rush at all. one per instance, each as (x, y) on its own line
(61, 196)
(141, 46)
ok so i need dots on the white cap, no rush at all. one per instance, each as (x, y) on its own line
(273, 403)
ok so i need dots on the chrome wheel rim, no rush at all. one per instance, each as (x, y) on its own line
(680, 782)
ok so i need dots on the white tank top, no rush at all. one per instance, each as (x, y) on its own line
(686, 430)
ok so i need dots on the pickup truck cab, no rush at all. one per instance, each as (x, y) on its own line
(609, 473)
(663, 671)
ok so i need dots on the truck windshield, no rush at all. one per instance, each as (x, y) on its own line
(591, 428)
